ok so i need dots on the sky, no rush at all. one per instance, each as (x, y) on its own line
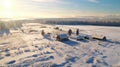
(58, 8)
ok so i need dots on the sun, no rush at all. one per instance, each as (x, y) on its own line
(7, 8)
(7, 4)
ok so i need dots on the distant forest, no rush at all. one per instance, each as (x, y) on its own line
(99, 23)
(76, 22)
(71, 21)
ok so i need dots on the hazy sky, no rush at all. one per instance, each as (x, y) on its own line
(57, 8)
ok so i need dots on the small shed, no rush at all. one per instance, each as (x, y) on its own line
(57, 28)
(33, 31)
(83, 37)
(62, 37)
(80, 37)
(103, 38)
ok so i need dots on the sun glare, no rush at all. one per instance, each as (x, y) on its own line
(8, 7)
(7, 4)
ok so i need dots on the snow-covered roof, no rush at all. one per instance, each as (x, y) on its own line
(80, 37)
(62, 36)
(98, 36)
(81, 34)
(15, 31)
(31, 24)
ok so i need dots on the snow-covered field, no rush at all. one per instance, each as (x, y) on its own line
(31, 49)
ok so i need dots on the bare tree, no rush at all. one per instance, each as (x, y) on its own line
(69, 32)
(42, 33)
(77, 32)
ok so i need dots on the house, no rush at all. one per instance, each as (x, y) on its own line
(62, 37)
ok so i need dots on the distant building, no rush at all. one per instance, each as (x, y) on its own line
(62, 37)
(103, 38)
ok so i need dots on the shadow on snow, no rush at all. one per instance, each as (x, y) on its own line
(71, 43)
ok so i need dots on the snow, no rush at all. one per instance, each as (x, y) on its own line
(27, 49)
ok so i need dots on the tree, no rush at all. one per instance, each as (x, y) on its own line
(42, 33)
(69, 32)
(77, 32)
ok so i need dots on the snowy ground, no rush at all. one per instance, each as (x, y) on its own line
(31, 49)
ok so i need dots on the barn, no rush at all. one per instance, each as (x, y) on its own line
(103, 38)
(62, 37)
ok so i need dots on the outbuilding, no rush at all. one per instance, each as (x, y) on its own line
(103, 38)
(62, 37)
(84, 37)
